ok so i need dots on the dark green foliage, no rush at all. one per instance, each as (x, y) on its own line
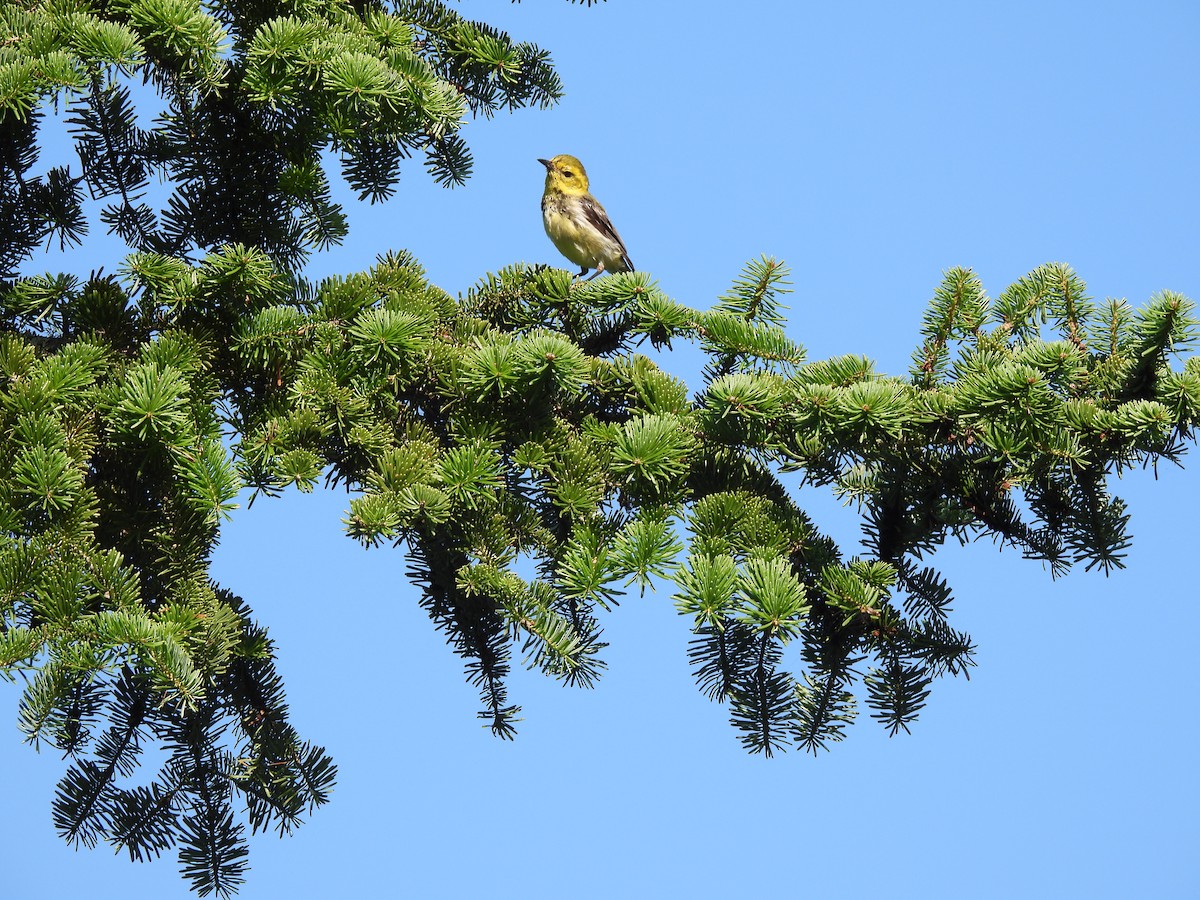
(242, 100)
(514, 442)
(129, 402)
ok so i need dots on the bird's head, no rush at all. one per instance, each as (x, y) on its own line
(565, 175)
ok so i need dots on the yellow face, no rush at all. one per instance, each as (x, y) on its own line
(565, 175)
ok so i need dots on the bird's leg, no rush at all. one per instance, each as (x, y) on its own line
(581, 273)
(599, 269)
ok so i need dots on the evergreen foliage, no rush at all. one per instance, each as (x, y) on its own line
(533, 464)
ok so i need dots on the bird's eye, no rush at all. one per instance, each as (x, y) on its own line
(567, 173)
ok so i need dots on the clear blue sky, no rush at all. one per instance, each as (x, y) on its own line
(872, 146)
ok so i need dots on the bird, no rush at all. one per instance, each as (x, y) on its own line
(577, 223)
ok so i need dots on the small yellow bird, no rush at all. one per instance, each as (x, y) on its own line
(577, 223)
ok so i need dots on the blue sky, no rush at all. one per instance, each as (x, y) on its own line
(871, 146)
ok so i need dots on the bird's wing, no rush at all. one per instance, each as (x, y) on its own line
(598, 219)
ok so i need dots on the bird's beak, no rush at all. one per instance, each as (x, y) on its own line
(546, 163)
